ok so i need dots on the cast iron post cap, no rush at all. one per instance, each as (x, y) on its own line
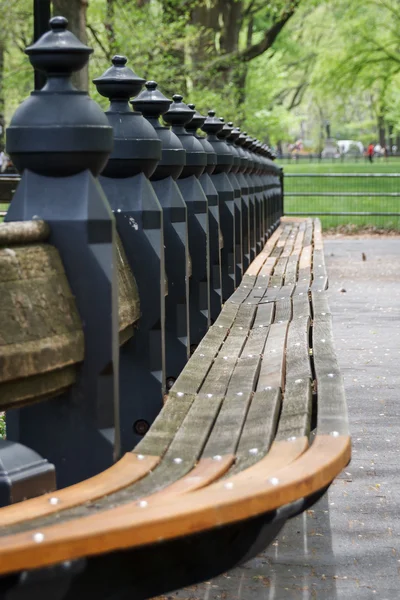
(196, 121)
(179, 113)
(58, 50)
(151, 102)
(119, 81)
(212, 125)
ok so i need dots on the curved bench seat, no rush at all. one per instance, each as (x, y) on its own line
(232, 443)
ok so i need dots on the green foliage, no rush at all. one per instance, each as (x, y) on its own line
(331, 59)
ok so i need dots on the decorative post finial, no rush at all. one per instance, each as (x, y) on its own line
(152, 104)
(137, 148)
(59, 131)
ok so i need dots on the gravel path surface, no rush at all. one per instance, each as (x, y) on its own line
(348, 545)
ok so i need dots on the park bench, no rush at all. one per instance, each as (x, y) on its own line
(254, 427)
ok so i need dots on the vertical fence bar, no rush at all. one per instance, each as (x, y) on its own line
(139, 218)
(152, 104)
(210, 191)
(212, 126)
(178, 116)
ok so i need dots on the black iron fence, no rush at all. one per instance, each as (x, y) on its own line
(360, 199)
(315, 158)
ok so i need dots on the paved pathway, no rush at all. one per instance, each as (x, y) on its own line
(348, 545)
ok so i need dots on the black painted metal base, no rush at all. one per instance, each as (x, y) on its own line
(199, 250)
(139, 220)
(83, 230)
(177, 335)
(23, 473)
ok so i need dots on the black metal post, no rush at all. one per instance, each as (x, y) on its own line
(139, 218)
(79, 430)
(216, 239)
(220, 179)
(41, 18)
(224, 135)
(152, 103)
(178, 116)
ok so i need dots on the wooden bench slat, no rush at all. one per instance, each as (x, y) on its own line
(126, 471)
(193, 375)
(215, 505)
(283, 310)
(264, 315)
(259, 428)
(297, 349)
(272, 369)
(158, 439)
(295, 418)
(332, 409)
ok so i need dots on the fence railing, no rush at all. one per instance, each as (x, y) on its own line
(292, 159)
(360, 199)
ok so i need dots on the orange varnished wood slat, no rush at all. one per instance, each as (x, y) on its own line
(218, 504)
(280, 455)
(126, 471)
(205, 472)
(258, 262)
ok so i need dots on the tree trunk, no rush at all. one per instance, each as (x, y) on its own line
(381, 130)
(109, 26)
(218, 25)
(75, 12)
(2, 101)
(173, 13)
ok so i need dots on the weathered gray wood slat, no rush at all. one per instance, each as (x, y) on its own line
(320, 276)
(164, 428)
(308, 235)
(274, 285)
(291, 269)
(227, 428)
(219, 375)
(226, 431)
(301, 306)
(267, 269)
(264, 315)
(248, 279)
(280, 267)
(295, 417)
(320, 305)
(255, 342)
(297, 349)
(240, 294)
(226, 316)
(259, 429)
(262, 283)
(192, 376)
(183, 452)
(272, 369)
(283, 310)
(303, 280)
(245, 316)
(332, 408)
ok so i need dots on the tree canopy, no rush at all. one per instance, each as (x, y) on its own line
(280, 69)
